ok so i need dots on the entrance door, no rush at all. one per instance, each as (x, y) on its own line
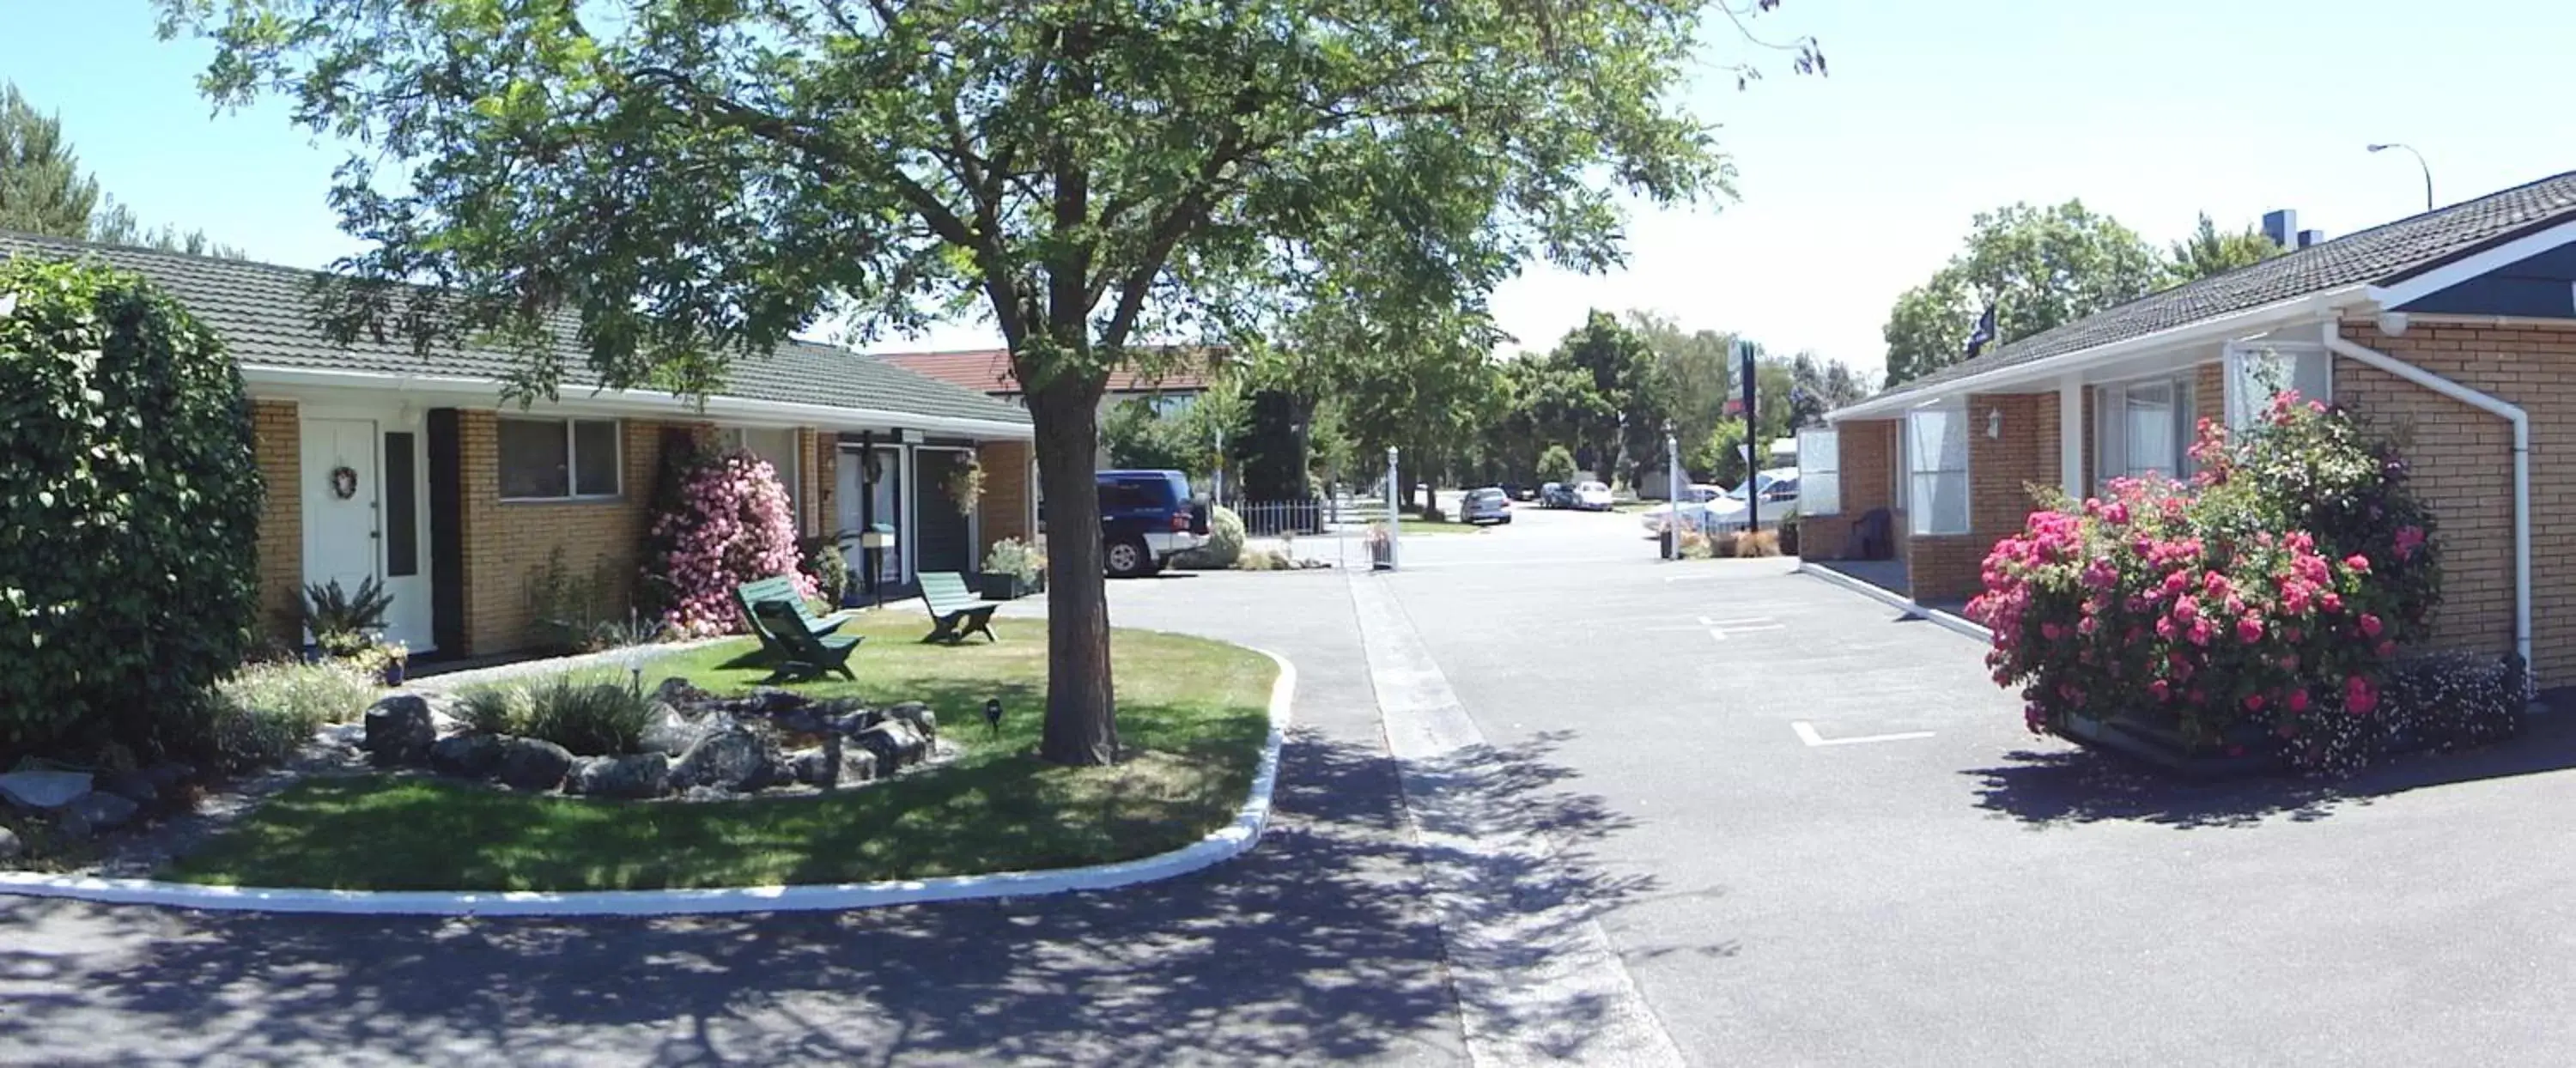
(341, 534)
(884, 507)
(947, 532)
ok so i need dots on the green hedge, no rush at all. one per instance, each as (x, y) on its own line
(129, 510)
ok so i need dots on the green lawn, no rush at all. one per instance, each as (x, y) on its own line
(1192, 713)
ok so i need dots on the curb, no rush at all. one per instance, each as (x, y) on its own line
(1897, 601)
(1220, 845)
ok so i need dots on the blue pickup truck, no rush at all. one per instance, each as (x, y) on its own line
(1145, 518)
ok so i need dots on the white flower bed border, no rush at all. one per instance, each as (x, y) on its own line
(1220, 845)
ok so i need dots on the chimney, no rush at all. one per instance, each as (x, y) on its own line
(2310, 237)
(2282, 227)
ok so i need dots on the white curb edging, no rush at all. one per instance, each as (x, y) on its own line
(1898, 601)
(1220, 845)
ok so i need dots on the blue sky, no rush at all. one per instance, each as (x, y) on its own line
(1853, 187)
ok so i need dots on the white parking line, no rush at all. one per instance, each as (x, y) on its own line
(1807, 733)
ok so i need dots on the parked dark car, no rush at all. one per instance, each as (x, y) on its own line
(1145, 518)
(1556, 495)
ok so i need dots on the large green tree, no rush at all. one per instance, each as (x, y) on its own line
(2211, 251)
(44, 191)
(2038, 267)
(692, 181)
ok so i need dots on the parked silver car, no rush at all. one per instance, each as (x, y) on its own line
(1487, 505)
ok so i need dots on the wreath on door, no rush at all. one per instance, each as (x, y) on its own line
(344, 482)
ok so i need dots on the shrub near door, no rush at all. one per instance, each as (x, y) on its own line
(2259, 609)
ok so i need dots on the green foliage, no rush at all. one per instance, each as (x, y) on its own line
(1556, 465)
(265, 712)
(590, 715)
(1021, 560)
(830, 570)
(1224, 542)
(129, 510)
(578, 612)
(342, 622)
(2210, 252)
(2042, 268)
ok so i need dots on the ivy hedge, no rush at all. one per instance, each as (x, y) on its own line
(128, 569)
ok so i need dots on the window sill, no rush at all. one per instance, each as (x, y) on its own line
(609, 498)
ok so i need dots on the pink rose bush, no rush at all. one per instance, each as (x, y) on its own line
(2261, 602)
(726, 522)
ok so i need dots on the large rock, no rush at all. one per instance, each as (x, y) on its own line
(631, 777)
(102, 811)
(895, 745)
(730, 758)
(772, 700)
(168, 775)
(43, 789)
(919, 715)
(671, 732)
(399, 730)
(131, 785)
(469, 756)
(10, 846)
(833, 765)
(677, 691)
(533, 763)
(849, 724)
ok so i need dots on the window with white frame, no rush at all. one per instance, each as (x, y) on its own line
(2143, 428)
(558, 459)
(1936, 456)
(2258, 373)
(1820, 471)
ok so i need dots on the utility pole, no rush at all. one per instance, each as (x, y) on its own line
(1672, 497)
(1755, 450)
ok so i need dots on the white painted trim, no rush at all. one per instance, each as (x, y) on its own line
(1223, 844)
(2415, 319)
(2220, 328)
(2336, 343)
(640, 403)
(1898, 601)
(2396, 297)
(2070, 436)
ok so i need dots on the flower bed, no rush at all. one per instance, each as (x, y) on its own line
(2261, 608)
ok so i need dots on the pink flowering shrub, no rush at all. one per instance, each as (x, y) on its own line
(726, 522)
(2261, 604)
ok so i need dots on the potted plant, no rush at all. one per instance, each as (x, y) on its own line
(1789, 533)
(386, 660)
(1011, 570)
(345, 624)
(1381, 543)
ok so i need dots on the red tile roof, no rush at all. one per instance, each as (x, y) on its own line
(989, 371)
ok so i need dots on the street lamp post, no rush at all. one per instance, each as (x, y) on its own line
(2427, 168)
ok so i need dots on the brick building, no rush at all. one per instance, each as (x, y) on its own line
(382, 462)
(2455, 329)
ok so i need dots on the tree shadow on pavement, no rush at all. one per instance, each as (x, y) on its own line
(1315, 946)
(2072, 786)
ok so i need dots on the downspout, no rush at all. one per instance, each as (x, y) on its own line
(2521, 466)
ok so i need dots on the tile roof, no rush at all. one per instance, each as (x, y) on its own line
(263, 314)
(989, 371)
(2377, 256)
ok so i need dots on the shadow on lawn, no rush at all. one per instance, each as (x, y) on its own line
(1315, 946)
(2084, 786)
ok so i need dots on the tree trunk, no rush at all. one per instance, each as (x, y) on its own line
(1081, 720)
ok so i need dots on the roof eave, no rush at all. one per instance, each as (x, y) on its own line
(2253, 320)
(644, 402)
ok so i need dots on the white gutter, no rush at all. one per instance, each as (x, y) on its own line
(643, 401)
(2222, 328)
(2521, 466)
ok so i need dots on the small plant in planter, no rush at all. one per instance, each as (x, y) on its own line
(385, 661)
(1381, 543)
(1012, 570)
(345, 624)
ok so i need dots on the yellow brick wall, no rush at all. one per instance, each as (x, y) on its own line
(504, 541)
(1867, 453)
(1004, 510)
(277, 441)
(2463, 468)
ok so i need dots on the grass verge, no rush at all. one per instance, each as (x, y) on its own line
(1193, 714)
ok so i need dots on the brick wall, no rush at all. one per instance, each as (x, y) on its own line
(823, 459)
(2463, 468)
(1004, 511)
(504, 541)
(277, 441)
(1868, 455)
(2001, 471)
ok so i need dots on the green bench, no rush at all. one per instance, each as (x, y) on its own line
(780, 588)
(804, 654)
(955, 612)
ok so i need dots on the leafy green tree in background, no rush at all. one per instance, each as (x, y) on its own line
(1819, 386)
(693, 182)
(44, 191)
(1626, 425)
(2041, 268)
(2208, 252)
(1556, 464)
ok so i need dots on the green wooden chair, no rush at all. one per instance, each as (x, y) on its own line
(781, 588)
(807, 654)
(956, 612)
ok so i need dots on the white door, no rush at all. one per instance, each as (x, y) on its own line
(341, 534)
